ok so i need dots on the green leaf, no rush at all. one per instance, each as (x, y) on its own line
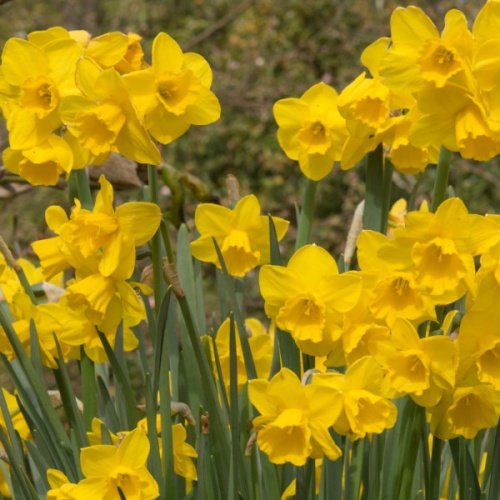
(131, 412)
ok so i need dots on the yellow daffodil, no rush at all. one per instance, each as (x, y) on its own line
(465, 410)
(424, 368)
(36, 83)
(43, 164)
(311, 130)
(308, 297)
(184, 454)
(294, 419)
(479, 338)
(366, 339)
(365, 104)
(174, 93)
(242, 235)
(108, 467)
(104, 238)
(104, 119)
(260, 343)
(61, 487)
(363, 390)
(418, 52)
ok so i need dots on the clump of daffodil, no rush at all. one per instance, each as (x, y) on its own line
(105, 235)
(309, 297)
(437, 249)
(294, 419)
(100, 246)
(311, 130)
(174, 92)
(241, 233)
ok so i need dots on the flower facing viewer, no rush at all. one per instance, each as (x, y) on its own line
(242, 235)
(311, 130)
(308, 298)
(294, 419)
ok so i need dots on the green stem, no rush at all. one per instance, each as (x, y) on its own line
(89, 392)
(374, 197)
(353, 480)
(79, 187)
(306, 215)
(159, 285)
(435, 473)
(409, 456)
(441, 181)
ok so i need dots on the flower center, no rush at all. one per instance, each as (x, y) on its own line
(237, 252)
(176, 91)
(304, 317)
(315, 137)
(438, 63)
(98, 129)
(40, 95)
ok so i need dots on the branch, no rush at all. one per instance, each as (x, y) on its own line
(221, 23)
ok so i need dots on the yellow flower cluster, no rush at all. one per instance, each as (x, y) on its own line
(70, 99)
(367, 320)
(120, 468)
(426, 89)
(99, 245)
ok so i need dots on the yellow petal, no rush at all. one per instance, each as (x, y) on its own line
(312, 263)
(167, 55)
(138, 221)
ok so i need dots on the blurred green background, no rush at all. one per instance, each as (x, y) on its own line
(260, 51)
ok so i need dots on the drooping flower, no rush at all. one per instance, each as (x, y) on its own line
(469, 407)
(242, 235)
(308, 298)
(104, 119)
(184, 454)
(311, 130)
(294, 419)
(43, 164)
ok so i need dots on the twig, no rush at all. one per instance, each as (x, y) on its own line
(221, 23)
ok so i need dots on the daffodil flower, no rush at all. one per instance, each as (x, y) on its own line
(174, 93)
(242, 235)
(294, 419)
(309, 297)
(311, 130)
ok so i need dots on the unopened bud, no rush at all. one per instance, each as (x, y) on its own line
(354, 232)
(233, 189)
